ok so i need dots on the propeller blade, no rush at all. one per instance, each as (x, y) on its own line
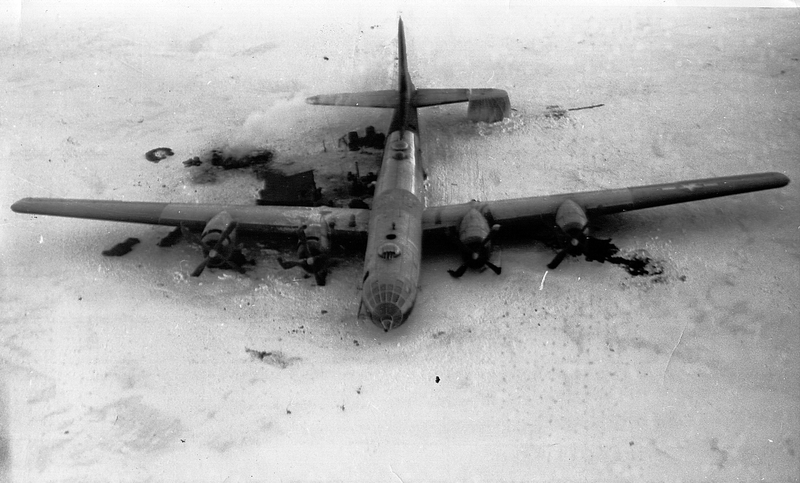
(494, 267)
(229, 229)
(558, 259)
(200, 268)
(458, 272)
(495, 229)
(225, 234)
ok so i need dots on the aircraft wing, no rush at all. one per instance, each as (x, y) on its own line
(354, 222)
(603, 202)
(255, 218)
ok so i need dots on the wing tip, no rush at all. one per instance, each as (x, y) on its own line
(21, 206)
(770, 179)
(781, 179)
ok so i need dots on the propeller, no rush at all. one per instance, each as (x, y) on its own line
(476, 254)
(314, 265)
(572, 221)
(312, 251)
(576, 246)
(216, 254)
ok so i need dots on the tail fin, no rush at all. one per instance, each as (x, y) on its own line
(403, 76)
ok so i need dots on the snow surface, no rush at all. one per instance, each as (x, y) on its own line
(124, 369)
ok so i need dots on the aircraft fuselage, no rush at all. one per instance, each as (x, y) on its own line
(394, 247)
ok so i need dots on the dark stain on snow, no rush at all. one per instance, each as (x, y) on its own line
(171, 239)
(226, 158)
(275, 358)
(257, 50)
(638, 263)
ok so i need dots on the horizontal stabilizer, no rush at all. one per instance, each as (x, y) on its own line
(435, 97)
(387, 98)
(485, 105)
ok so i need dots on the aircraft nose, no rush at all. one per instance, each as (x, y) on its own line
(387, 315)
(388, 300)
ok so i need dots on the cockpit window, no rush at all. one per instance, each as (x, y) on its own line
(389, 251)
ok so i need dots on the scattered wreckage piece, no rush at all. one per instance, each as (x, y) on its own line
(371, 140)
(557, 112)
(195, 161)
(158, 154)
(223, 158)
(289, 190)
(121, 248)
(229, 161)
(361, 186)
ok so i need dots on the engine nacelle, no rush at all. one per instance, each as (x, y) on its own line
(313, 247)
(317, 234)
(475, 238)
(214, 230)
(474, 228)
(572, 220)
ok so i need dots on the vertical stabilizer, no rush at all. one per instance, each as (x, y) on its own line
(485, 105)
(404, 79)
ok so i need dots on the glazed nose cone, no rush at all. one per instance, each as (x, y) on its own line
(388, 300)
(387, 315)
